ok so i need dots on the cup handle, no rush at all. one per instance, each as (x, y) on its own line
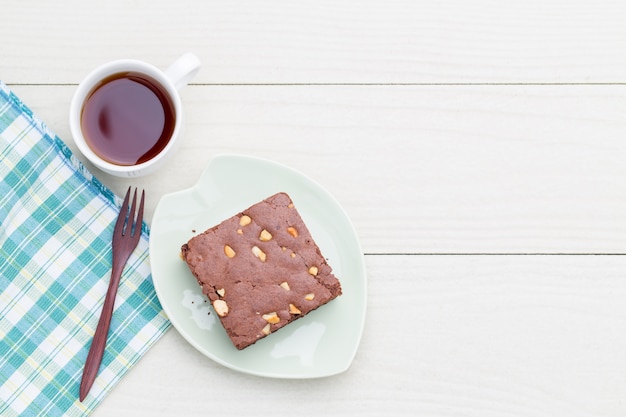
(181, 71)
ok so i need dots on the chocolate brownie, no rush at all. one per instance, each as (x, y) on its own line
(261, 269)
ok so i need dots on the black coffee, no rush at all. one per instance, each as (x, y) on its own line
(128, 118)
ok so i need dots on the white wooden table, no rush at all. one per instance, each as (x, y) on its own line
(479, 148)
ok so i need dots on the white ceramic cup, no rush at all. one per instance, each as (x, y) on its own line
(173, 79)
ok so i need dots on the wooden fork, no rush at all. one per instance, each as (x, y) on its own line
(125, 239)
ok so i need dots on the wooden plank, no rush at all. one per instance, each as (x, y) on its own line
(445, 335)
(398, 41)
(420, 169)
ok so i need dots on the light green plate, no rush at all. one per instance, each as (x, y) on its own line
(324, 342)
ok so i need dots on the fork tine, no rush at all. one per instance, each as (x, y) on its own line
(131, 217)
(139, 215)
(121, 218)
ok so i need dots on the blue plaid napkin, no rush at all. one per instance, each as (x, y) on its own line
(56, 225)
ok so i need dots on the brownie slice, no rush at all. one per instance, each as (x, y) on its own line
(261, 269)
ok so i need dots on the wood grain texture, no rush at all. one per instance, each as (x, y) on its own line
(398, 41)
(420, 169)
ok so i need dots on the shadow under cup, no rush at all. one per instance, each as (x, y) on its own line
(128, 118)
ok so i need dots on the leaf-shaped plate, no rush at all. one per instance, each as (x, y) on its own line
(322, 343)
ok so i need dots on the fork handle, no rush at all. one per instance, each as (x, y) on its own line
(96, 350)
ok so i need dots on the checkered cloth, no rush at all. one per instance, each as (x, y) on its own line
(56, 225)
